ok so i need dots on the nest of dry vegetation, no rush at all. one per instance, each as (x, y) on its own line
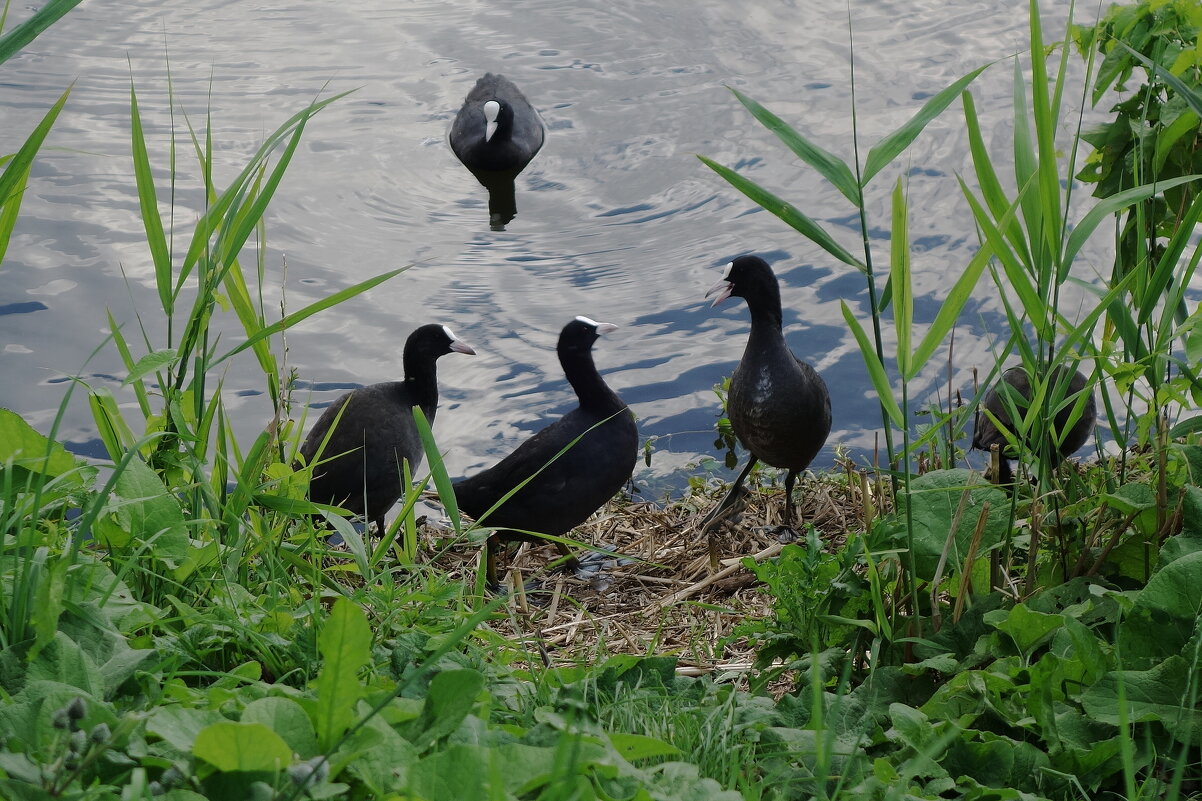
(656, 592)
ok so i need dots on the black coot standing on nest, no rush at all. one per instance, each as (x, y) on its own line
(495, 134)
(987, 434)
(560, 494)
(496, 130)
(360, 464)
(778, 405)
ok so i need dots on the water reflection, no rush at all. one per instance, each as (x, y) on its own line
(502, 200)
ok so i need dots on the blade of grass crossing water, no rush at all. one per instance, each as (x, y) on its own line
(308, 311)
(788, 213)
(16, 173)
(949, 310)
(991, 187)
(13, 41)
(830, 166)
(876, 370)
(889, 148)
(899, 274)
(148, 202)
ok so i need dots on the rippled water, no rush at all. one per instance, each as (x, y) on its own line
(616, 217)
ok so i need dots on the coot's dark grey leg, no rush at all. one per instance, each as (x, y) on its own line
(709, 524)
(790, 480)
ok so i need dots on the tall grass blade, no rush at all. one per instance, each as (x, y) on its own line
(899, 274)
(12, 181)
(30, 29)
(1107, 207)
(830, 166)
(987, 179)
(949, 311)
(876, 370)
(307, 312)
(884, 151)
(442, 481)
(788, 213)
(152, 223)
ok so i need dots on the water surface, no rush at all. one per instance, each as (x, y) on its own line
(616, 218)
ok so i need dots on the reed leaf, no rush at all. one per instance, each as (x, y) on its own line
(12, 42)
(884, 151)
(949, 310)
(16, 173)
(1191, 98)
(987, 179)
(899, 275)
(876, 370)
(148, 202)
(788, 213)
(1107, 207)
(438, 470)
(308, 311)
(830, 166)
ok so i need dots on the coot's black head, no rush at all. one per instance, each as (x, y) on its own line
(428, 342)
(750, 278)
(579, 335)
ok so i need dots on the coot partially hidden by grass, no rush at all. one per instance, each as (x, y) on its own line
(563, 488)
(359, 463)
(1016, 394)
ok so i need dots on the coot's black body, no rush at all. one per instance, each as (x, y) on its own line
(360, 465)
(987, 434)
(778, 405)
(578, 482)
(496, 130)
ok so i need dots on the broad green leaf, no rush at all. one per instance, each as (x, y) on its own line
(938, 507)
(345, 646)
(1157, 694)
(876, 370)
(230, 746)
(991, 187)
(830, 166)
(307, 312)
(884, 151)
(1165, 615)
(1026, 628)
(1183, 90)
(450, 698)
(789, 214)
(151, 363)
(286, 718)
(22, 446)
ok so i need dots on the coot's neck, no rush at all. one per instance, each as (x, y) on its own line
(765, 318)
(421, 383)
(590, 387)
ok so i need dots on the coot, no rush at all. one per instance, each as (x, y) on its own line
(986, 433)
(496, 130)
(360, 465)
(778, 405)
(560, 494)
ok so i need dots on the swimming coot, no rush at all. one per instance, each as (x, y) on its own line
(560, 494)
(496, 130)
(359, 466)
(778, 405)
(986, 433)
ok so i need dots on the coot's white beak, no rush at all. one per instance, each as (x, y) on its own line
(602, 328)
(460, 346)
(723, 288)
